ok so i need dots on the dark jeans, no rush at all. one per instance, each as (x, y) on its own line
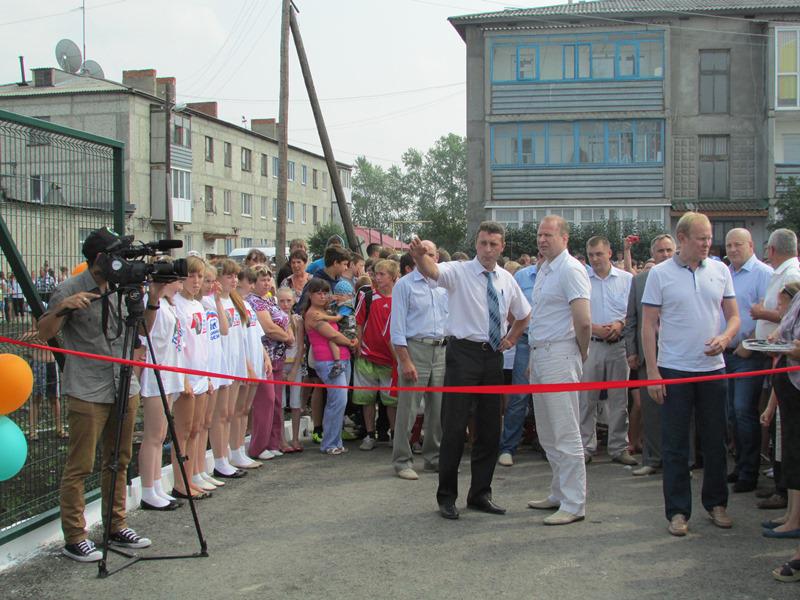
(708, 401)
(517, 407)
(743, 396)
(470, 364)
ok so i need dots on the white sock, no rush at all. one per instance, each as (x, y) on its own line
(243, 454)
(160, 491)
(150, 496)
(202, 483)
(211, 480)
(223, 466)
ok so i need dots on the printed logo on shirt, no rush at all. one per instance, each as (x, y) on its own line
(198, 323)
(177, 336)
(233, 317)
(213, 325)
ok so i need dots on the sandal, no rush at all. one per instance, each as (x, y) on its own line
(788, 572)
(333, 451)
(298, 448)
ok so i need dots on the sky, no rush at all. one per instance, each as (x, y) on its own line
(390, 73)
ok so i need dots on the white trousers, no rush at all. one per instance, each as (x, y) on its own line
(558, 422)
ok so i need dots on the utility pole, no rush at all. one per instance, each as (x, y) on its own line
(327, 150)
(283, 137)
(170, 228)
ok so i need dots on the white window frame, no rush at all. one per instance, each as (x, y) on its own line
(247, 204)
(778, 73)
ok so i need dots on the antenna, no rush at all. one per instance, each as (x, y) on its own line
(68, 56)
(92, 69)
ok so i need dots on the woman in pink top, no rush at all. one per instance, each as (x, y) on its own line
(319, 333)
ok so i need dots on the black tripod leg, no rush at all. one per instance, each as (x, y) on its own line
(177, 450)
(121, 407)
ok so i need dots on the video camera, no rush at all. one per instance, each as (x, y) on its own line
(119, 263)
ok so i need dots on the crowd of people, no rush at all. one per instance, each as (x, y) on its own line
(417, 320)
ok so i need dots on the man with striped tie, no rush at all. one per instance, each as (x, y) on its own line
(481, 296)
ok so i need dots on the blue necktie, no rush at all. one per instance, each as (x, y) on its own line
(494, 312)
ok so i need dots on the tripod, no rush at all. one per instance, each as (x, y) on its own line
(134, 323)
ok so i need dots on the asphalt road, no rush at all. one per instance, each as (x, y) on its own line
(313, 526)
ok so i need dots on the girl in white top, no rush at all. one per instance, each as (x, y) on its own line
(235, 363)
(217, 328)
(167, 346)
(292, 364)
(257, 362)
(190, 407)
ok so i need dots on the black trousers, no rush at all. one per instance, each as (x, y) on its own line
(470, 364)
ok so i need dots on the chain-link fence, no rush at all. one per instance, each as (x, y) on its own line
(56, 185)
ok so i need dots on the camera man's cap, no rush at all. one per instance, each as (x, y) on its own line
(99, 241)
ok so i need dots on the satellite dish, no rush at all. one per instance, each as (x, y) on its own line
(93, 69)
(68, 56)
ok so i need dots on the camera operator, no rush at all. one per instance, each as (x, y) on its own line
(93, 325)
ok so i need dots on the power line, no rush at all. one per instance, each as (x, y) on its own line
(337, 99)
(59, 14)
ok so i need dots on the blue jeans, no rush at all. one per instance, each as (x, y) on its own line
(517, 407)
(707, 400)
(743, 396)
(333, 418)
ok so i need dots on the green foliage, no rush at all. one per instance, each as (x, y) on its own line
(787, 207)
(429, 187)
(523, 240)
(319, 240)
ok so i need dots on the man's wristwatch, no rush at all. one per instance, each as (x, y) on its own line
(153, 307)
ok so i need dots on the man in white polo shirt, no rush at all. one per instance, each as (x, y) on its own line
(561, 325)
(782, 257)
(480, 297)
(681, 303)
(607, 361)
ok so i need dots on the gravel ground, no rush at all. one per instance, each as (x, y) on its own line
(345, 527)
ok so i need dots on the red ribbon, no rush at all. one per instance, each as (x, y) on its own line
(539, 388)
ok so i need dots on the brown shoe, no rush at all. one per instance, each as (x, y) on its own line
(720, 518)
(678, 526)
(773, 502)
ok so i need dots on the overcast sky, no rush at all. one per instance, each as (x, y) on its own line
(390, 72)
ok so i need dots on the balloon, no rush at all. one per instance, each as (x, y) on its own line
(79, 268)
(13, 448)
(16, 381)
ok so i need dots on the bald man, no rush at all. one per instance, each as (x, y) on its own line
(751, 278)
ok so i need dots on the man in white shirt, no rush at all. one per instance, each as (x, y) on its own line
(419, 313)
(782, 257)
(480, 297)
(559, 333)
(681, 303)
(606, 362)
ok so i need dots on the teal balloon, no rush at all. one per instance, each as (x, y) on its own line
(13, 449)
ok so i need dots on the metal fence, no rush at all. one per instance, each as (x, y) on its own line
(56, 185)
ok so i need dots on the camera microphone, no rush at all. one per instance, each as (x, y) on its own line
(161, 245)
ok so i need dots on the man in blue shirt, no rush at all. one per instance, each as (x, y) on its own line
(750, 280)
(419, 313)
(517, 407)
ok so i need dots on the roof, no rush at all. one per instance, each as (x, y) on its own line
(755, 208)
(626, 8)
(68, 84)
(373, 236)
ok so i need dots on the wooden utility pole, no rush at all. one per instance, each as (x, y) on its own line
(327, 150)
(283, 137)
(169, 226)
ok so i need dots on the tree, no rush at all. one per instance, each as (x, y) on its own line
(787, 207)
(374, 203)
(319, 239)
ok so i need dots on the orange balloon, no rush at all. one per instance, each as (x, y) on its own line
(16, 382)
(79, 268)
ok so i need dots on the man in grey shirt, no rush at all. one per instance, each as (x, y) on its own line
(90, 387)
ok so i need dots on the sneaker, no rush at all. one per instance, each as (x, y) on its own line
(644, 471)
(349, 436)
(128, 538)
(316, 437)
(368, 443)
(625, 458)
(83, 551)
(416, 448)
(505, 460)
(384, 437)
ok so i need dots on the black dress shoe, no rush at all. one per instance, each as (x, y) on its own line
(743, 486)
(235, 475)
(145, 505)
(448, 511)
(485, 504)
(733, 477)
